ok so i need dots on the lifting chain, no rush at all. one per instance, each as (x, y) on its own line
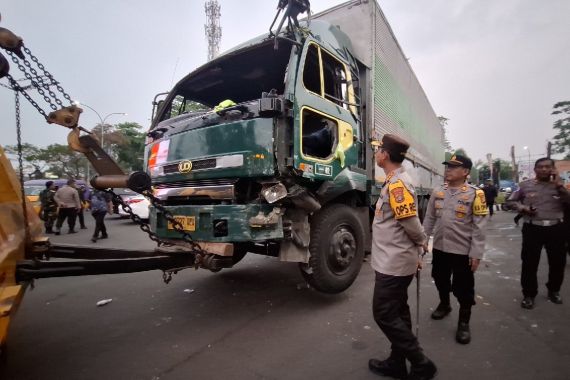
(38, 82)
(20, 89)
(195, 248)
(21, 165)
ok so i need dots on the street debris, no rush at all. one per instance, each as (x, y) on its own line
(189, 291)
(104, 302)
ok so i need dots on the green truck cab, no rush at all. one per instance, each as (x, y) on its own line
(267, 150)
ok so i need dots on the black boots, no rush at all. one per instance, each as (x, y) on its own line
(393, 367)
(527, 303)
(442, 310)
(422, 368)
(555, 297)
(463, 334)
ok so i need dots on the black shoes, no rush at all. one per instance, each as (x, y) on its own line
(94, 239)
(83, 227)
(72, 232)
(422, 371)
(57, 233)
(104, 236)
(555, 297)
(463, 334)
(527, 303)
(441, 311)
(390, 367)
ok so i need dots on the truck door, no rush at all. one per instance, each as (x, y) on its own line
(326, 124)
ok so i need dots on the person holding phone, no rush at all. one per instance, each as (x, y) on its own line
(541, 201)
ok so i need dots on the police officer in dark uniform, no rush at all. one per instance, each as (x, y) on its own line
(398, 239)
(541, 201)
(455, 216)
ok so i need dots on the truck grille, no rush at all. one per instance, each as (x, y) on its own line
(195, 182)
(209, 163)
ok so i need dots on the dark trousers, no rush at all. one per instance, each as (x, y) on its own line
(452, 273)
(491, 206)
(66, 213)
(99, 217)
(81, 218)
(534, 238)
(392, 314)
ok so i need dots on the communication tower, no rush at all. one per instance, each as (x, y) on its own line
(213, 28)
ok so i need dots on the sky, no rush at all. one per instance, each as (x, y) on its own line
(493, 68)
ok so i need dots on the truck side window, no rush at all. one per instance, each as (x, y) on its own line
(319, 135)
(335, 79)
(311, 71)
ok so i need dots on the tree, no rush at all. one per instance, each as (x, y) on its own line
(444, 140)
(562, 127)
(63, 162)
(502, 169)
(130, 148)
(30, 155)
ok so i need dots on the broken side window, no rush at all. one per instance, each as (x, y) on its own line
(319, 134)
(334, 74)
(312, 71)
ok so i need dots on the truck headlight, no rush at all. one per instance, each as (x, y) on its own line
(156, 171)
(273, 193)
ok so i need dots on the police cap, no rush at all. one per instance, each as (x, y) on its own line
(393, 144)
(459, 160)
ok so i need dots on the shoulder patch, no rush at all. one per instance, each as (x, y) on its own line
(401, 200)
(479, 203)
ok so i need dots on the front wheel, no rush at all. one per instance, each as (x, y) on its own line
(336, 249)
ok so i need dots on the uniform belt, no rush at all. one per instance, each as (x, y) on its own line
(545, 223)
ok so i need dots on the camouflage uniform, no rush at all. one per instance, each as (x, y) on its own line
(49, 209)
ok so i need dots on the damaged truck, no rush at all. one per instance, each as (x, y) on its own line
(266, 148)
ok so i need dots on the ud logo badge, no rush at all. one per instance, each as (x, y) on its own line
(185, 166)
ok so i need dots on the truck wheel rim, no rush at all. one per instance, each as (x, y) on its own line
(342, 249)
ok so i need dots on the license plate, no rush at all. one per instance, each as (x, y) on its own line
(188, 223)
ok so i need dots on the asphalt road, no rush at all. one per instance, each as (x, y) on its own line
(260, 321)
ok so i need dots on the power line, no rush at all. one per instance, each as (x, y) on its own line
(212, 28)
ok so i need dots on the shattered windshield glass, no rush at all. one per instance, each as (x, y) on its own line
(238, 76)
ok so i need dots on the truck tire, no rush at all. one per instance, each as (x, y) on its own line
(336, 249)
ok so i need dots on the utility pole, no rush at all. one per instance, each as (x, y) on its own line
(514, 164)
(212, 28)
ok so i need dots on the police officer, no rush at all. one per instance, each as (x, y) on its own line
(397, 240)
(541, 201)
(455, 217)
(81, 191)
(48, 206)
(490, 194)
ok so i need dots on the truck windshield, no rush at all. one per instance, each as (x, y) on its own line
(239, 76)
